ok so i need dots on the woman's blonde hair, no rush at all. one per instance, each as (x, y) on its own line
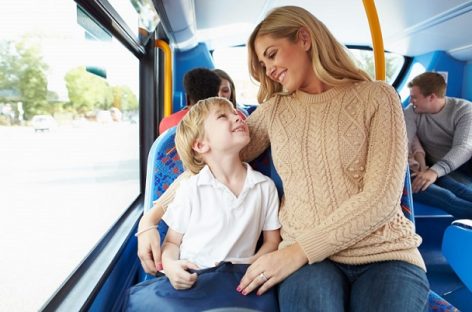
(331, 61)
(192, 128)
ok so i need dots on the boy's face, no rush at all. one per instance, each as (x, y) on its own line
(225, 131)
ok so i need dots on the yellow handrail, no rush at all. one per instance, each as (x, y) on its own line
(161, 44)
(377, 40)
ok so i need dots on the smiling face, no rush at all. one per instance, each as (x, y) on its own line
(225, 131)
(286, 62)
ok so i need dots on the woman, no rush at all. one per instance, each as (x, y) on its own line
(338, 142)
(227, 89)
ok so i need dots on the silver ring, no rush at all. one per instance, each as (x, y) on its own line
(263, 277)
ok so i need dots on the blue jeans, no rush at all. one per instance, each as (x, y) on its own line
(452, 193)
(330, 286)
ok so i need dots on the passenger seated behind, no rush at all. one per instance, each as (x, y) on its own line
(199, 84)
(416, 157)
(228, 91)
(239, 203)
(443, 125)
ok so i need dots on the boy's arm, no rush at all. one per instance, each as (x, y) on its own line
(271, 228)
(271, 243)
(175, 269)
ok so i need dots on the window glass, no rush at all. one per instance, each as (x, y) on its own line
(139, 15)
(365, 60)
(233, 60)
(69, 145)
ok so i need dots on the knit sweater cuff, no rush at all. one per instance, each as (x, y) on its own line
(439, 170)
(315, 246)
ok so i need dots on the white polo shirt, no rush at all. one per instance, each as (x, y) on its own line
(216, 224)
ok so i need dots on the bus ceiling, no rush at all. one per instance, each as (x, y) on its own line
(408, 27)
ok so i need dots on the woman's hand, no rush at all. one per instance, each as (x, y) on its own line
(149, 248)
(272, 268)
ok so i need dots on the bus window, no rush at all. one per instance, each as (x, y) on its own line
(365, 60)
(69, 144)
(233, 60)
(139, 15)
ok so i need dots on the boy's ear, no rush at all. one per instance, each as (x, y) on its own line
(200, 146)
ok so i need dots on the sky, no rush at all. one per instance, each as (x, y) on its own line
(63, 43)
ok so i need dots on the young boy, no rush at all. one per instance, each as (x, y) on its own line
(217, 216)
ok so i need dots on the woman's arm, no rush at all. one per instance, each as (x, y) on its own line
(419, 153)
(149, 250)
(416, 157)
(420, 158)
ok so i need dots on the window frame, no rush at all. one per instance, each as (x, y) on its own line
(401, 73)
(80, 290)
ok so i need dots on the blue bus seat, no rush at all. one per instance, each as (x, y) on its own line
(435, 301)
(457, 248)
(249, 108)
(164, 166)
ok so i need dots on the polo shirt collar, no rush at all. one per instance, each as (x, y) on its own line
(206, 177)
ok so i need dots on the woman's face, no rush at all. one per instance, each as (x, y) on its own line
(225, 89)
(285, 62)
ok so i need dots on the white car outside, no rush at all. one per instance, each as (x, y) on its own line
(43, 123)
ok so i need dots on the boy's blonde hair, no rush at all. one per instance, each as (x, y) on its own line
(330, 60)
(192, 128)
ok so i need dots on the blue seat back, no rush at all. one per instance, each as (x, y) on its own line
(407, 198)
(163, 167)
(456, 247)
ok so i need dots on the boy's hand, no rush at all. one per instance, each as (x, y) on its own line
(180, 278)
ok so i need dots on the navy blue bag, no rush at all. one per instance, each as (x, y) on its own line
(215, 288)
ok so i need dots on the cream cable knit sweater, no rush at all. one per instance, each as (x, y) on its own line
(342, 157)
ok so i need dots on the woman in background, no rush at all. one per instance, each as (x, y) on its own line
(228, 91)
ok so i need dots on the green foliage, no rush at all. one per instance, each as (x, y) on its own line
(124, 99)
(365, 60)
(87, 92)
(23, 78)
(23, 72)
(8, 62)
